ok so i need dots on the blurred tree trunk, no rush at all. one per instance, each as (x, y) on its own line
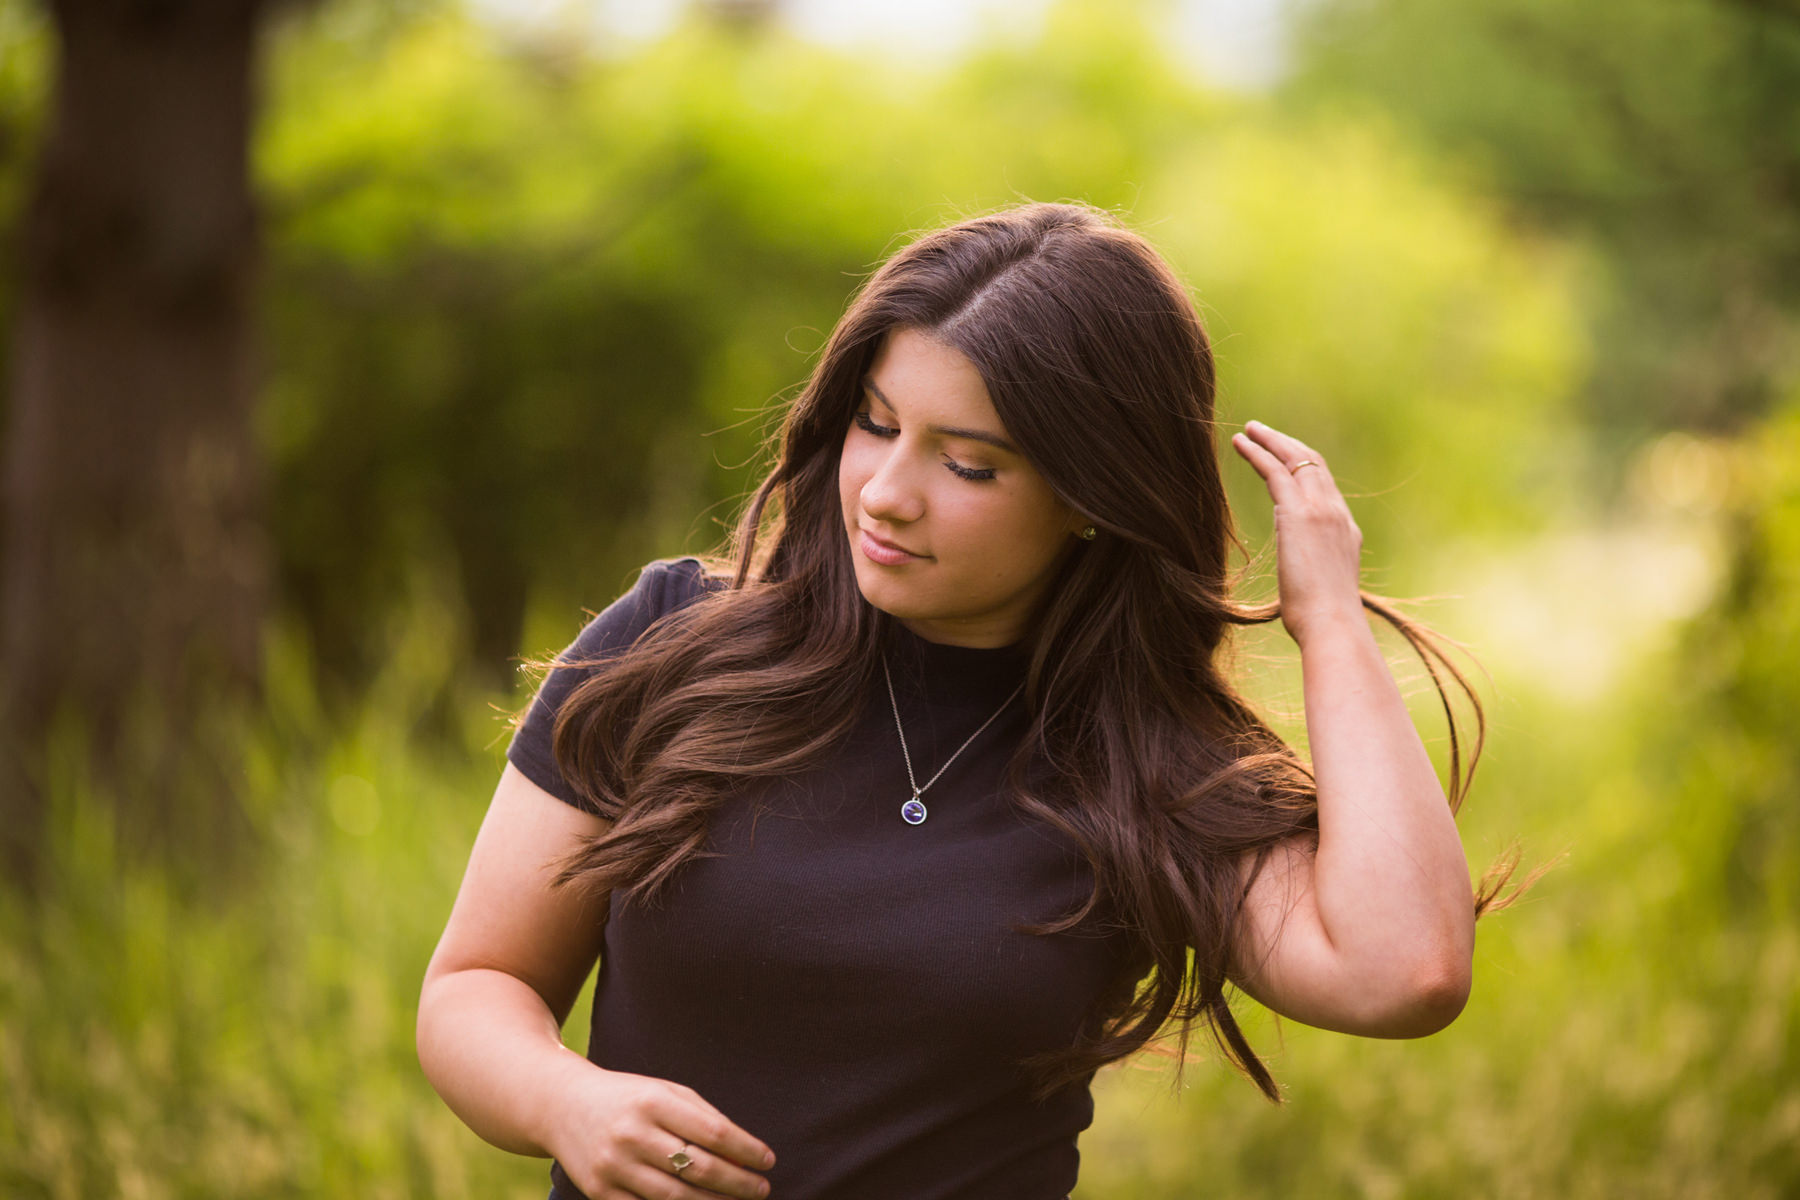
(134, 563)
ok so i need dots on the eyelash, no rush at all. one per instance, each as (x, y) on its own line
(867, 424)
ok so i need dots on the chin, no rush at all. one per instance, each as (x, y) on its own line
(878, 593)
(896, 601)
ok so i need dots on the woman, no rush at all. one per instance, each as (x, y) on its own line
(937, 799)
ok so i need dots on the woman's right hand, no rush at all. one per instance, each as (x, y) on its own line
(613, 1133)
(500, 985)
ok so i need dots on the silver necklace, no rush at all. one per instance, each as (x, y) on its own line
(913, 811)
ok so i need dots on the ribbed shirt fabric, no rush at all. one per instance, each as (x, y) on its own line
(846, 986)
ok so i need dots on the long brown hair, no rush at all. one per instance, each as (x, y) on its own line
(1139, 749)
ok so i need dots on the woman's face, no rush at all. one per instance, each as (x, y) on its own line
(951, 530)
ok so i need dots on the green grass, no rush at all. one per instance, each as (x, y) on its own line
(158, 1042)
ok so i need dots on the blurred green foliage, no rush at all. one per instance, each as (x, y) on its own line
(1523, 270)
(527, 310)
(153, 1045)
(1667, 133)
(1729, 764)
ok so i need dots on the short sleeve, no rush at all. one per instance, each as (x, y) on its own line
(662, 587)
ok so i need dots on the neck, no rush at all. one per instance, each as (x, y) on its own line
(989, 637)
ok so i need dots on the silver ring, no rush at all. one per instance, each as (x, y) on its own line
(1305, 462)
(680, 1160)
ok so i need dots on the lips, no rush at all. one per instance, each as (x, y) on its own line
(884, 552)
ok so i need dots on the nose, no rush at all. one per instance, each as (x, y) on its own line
(892, 492)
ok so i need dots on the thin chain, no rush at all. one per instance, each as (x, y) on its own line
(910, 777)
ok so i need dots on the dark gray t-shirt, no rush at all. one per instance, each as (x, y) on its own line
(845, 985)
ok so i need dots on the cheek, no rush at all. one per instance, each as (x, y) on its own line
(860, 461)
(850, 478)
(983, 533)
(1040, 529)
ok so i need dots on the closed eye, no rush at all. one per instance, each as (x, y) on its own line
(867, 424)
(958, 469)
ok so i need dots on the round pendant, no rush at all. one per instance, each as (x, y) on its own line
(913, 811)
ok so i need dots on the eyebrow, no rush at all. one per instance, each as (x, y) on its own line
(955, 431)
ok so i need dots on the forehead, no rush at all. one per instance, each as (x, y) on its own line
(911, 369)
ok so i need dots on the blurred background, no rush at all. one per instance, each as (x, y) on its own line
(356, 348)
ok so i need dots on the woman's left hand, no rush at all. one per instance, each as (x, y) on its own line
(1318, 548)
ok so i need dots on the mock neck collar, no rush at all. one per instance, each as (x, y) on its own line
(954, 676)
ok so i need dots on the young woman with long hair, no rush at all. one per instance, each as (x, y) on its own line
(931, 798)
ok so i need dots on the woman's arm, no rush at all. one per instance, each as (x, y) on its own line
(506, 972)
(508, 968)
(1373, 932)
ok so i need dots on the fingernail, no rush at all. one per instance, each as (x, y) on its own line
(768, 1158)
(1252, 424)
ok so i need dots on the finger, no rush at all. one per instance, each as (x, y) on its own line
(1284, 446)
(718, 1177)
(653, 1183)
(695, 1121)
(1279, 479)
(613, 1192)
(694, 1099)
(1305, 464)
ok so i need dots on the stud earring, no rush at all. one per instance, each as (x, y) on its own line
(1088, 533)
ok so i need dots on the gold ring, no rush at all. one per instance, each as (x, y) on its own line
(679, 1161)
(1305, 462)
